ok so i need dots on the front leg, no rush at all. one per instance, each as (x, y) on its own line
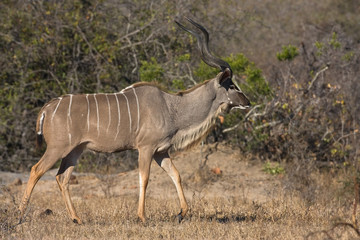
(145, 157)
(164, 161)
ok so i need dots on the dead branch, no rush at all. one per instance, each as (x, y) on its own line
(245, 118)
(136, 31)
(190, 75)
(340, 224)
(268, 124)
(316, 76)
(356, 201)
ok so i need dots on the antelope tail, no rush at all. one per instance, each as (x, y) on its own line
(39, 129)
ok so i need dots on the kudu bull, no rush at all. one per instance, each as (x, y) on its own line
(139, 117)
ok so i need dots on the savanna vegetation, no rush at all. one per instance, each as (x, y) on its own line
(298, 62)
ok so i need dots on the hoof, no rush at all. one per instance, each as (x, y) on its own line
(179, 217)
(45, 213)
(142, 219)
(21, 216)
(77, 221)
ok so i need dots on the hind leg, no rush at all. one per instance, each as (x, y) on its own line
(49, 158)
(63, 177)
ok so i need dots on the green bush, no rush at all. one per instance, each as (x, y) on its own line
(288, 53)
(333, 42)
(151, 71)
(273, 169)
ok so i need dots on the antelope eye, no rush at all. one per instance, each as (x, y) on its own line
(232, 87)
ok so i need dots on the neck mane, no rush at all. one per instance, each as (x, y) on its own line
(154, 84)
(190, 137)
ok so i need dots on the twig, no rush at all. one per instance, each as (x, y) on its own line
(131, 45)
(250, 112)
(340, 224)
(92, 49)
(129, 34)
(238, 124)
(347, 135)
(135, 31)
(190, 75)
(162, 47)
(344, 224)
(231, 128)
(356, 201)
(316, 76)
(268, 124)
(322, 231)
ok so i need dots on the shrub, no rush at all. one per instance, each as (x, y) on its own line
(151, 71)
(288, 53)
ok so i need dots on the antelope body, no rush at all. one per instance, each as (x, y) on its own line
(139, 117)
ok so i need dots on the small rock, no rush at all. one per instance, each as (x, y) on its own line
(47, 212)
(216, 170)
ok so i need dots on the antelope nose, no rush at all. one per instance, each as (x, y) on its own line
(247, 103)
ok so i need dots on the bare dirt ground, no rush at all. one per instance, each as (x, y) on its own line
(230, 196)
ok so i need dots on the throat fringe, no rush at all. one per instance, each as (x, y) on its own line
(188, 138)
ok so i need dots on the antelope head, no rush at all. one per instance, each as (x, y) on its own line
(228, 89)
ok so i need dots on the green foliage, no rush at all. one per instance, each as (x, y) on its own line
(245, 72)
(184, 57)
(348, 56)
(178, 84)
(288, 53)
(273, 168)
(151, 71)
(333, 42)
(320, 48)
(258, 138)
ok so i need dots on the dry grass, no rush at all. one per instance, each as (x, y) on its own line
(221, 207)
(286, 217)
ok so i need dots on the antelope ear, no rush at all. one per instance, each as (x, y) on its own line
(221, 77)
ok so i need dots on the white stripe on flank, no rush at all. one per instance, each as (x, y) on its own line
(138, 109)
(128, 107)
(108, 102)
(69, 112)
(97, 115)
(88, 113)
(60, 98)
(69, 122)
(41, 122)
(118, 126)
